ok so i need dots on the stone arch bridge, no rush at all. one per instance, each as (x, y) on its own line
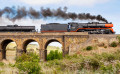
(22, 39)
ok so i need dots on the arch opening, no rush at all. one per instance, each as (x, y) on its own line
(8, 49)
(31, 46)
(53, 46)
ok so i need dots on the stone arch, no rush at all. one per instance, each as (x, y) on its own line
(51, 40)
(26, 42)
(4, 44)
(47, 43)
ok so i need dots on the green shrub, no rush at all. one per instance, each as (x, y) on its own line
(11, 65)
(90, 63)
(117, 66)
(97, 56)
(107, 69)
(105, 46)
(68, 56)
(118, 38)
(28, 63)
(1, 71)
(53, 63)
(2, 64)
(113, 44)
(75, 56)
(109, 57)
(33, 57)
(51, 55)
(54, 55)
(110, 68)
(71, 56)
(89, 48)
(94, 63)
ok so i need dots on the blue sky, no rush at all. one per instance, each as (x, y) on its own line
(107, 8)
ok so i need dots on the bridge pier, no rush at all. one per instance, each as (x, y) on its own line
(0, 55)
(65, 52)
(43, 55)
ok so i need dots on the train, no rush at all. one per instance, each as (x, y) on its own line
(91, 28)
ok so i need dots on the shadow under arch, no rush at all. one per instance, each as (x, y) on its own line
(25, 43)
(4, 44)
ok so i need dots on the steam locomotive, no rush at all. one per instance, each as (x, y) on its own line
(91, 28)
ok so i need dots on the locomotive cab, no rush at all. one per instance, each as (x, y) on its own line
(69, 27)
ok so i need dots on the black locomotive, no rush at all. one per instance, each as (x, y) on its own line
(91, 28)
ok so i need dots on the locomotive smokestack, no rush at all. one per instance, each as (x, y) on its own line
(21, 12)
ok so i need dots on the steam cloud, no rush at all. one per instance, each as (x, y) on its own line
(13, 14)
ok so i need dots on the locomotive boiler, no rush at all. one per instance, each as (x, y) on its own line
(91, 28)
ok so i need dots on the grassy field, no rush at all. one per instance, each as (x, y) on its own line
(104, 63)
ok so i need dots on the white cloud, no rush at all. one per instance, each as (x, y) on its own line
(5, 21)
(23, 22)
(86, 2)
(65, 2)
(41, 2)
